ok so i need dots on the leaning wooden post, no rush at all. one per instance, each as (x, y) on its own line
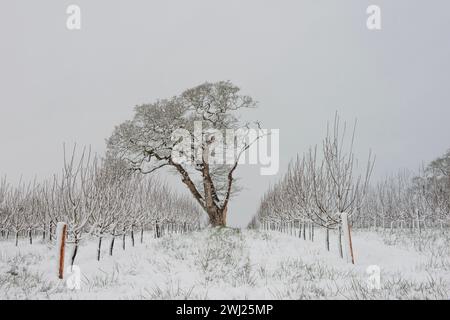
(348, 248)
(61, 233)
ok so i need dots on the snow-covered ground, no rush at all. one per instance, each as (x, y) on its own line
(235, 264)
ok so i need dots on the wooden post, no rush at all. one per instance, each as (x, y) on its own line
(61, 232)
(348, 248)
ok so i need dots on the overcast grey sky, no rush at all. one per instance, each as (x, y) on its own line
(302, 60)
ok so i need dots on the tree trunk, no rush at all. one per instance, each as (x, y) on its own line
(217, 216)
(158, 230)
(132, 236)
(111, 246)
(99, 249)
(74, 252)
(340, 241)
(327, 238)
(17, 238)
(50, 231)
(310, 231)
(418, 221)
(142, 234)
(30, 235)
(304, 230)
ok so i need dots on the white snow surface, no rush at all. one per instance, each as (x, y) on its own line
(224, 263)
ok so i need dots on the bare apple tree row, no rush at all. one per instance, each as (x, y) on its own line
(327, 181)
(318, 188)
(97, 198)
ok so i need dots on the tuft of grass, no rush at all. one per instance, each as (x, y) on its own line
(23, 284)
(170, 291)
(103, 279)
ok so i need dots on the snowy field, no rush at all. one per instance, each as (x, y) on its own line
(235, 264)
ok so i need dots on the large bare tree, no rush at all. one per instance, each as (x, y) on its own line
(147, 143)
